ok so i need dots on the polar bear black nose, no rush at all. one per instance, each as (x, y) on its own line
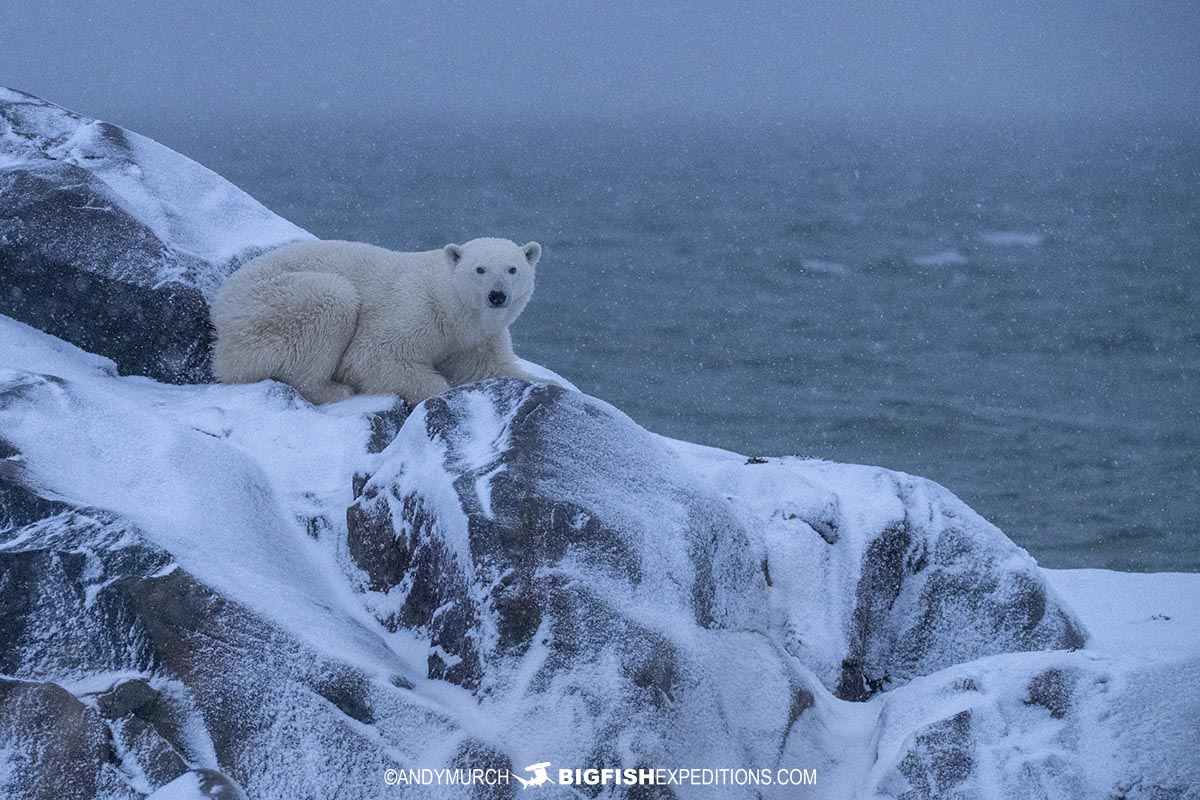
(497, 298)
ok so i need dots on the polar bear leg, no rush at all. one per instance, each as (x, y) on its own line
(411, 380)
(294, 328)
(494, 359)
(468, 366)
(327, 392)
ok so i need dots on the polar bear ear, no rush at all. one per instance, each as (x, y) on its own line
(453, 252)
(533, 251)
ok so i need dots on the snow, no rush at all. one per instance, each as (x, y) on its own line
(85, 687)
(539, 371)
(1155, 616)
(193, 786)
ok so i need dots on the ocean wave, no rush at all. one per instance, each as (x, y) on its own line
(946, 258)
(828, 267)
(1012, 238)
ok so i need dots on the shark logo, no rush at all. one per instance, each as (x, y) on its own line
(539, 775)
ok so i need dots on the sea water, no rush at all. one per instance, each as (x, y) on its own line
(1010, 311)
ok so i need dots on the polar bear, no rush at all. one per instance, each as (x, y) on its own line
(338, 318)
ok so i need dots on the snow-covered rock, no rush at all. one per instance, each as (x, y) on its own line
(122, 623)
(214, 590)
(501, 509)
(114, 242)
(52, 745)
(228, 579)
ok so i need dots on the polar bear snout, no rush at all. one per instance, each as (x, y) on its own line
(497, 298)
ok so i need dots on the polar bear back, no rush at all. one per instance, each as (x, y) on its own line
(373, 271)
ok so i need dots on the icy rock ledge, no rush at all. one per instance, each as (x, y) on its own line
(215, 588)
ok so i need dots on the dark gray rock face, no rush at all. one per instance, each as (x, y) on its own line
(159, 331)
(65, 752)
(113, 242)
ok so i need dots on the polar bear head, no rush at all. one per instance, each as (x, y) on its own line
(494, 276)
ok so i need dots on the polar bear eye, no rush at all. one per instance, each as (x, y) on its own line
(512, 270)
(480, 270)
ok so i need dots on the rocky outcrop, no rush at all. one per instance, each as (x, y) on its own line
(113, 242)
(560, 563)
(545, 581)
(1052, 725)
(156, 674)
(497, 503)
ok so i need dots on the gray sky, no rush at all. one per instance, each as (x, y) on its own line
(136, 58)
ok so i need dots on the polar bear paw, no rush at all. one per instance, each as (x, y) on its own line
(330, 392)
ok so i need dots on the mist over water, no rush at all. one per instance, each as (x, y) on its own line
(543, 59)
(1012, 314)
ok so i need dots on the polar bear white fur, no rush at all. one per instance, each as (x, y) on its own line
(338, 318)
